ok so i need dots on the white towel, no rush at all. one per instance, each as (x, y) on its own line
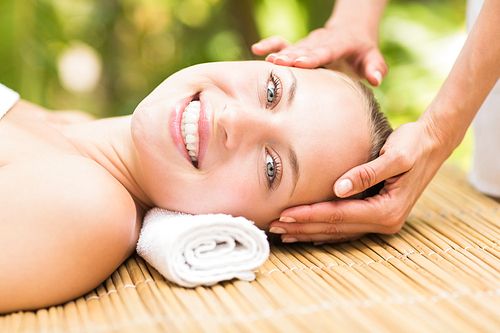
(194, 250)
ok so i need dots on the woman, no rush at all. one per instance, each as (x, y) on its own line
(243, 138)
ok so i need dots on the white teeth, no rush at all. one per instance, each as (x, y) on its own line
(189, 129)
(190, 118)
(194, 107)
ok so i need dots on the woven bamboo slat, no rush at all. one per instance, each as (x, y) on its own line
(441, 272)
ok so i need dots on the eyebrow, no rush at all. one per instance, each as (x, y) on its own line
(294, 162)
(292, 155)
(293, 87)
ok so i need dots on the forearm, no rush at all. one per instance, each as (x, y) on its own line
(472, 77)
(365, 14)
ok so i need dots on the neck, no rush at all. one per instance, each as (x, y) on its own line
(109, 143)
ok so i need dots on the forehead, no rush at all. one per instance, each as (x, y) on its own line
(332, 132)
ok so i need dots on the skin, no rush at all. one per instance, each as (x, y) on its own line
(412, 154)
(88, 183)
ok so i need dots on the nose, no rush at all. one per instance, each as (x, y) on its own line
(245, 125)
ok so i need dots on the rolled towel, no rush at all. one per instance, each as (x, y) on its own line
(194, 250)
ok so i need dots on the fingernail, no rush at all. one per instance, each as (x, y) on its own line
(282, 57)
(289, 240)
(277, 230)
(378, 76)
(271, 56)
(318, 243)
(343, 187)
(287, 219)
(303, 58)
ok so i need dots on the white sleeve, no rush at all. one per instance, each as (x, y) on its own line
(8, 98)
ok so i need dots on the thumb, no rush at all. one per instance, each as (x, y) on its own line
(374, 67)
(366, 175)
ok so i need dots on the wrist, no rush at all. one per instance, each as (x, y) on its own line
(445, 137)
(359, 15)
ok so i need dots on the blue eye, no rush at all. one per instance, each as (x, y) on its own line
(270, 168)
(273, 91)
(273, 169)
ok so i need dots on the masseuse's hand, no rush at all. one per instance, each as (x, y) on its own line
(411, 156)
(349, 49)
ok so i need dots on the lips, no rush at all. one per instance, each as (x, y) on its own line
(204, 128)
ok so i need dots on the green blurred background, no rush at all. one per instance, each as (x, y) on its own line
(105, 56)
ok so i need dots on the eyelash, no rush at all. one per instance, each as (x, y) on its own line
(277, 90)
(275, 181)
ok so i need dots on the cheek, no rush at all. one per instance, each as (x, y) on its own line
(236, 198)
(214, 195)
(233, 195)
(232, 189)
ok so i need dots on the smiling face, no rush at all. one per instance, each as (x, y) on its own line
(267, 138)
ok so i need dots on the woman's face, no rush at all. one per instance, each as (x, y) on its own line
(267, 138)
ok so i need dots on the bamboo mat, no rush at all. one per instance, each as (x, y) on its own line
(441, 272)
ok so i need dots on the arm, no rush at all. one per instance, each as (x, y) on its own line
(472, 77)
(349, 38)
(413, 153)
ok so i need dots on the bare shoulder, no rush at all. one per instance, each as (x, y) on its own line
(65, 187)
(65, 225)
(35, 112)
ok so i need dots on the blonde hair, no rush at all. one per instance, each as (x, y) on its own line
(379, 126)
